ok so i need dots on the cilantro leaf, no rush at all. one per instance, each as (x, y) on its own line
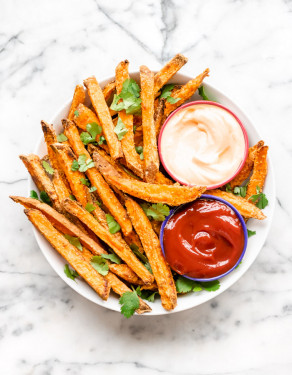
(251, 233)
(139, 150)
(112, 257)
(259, 199)
(47, 167)
(148, 267)
(101, 140)
(61, 138)
(74, 241)
(156, 211)
(86, 138)
(228, 188)
(99, 264)
(184, 285)
(75, 165)
(138, 254)
(90, 207)
(113, 226)
(146, 294)
(129, 98)
(84, 181)
(82, 164)
(93, 130)
(211, 286)
(72, 274)
(130, 303)
(71, 196)
(45, 198)
(202, 93)
(166, 93)
(120, 129)
(33, 194)
(240, 191)
(92, 189)
(76, 113)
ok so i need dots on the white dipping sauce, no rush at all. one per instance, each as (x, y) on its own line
(202, 145)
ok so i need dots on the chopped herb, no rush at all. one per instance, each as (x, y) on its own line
(85, 181)
(75, 165)
(74, 241)
(112, 257)
(33, 194)
(93, 129)
(113, 226)
(101, 140)
(251, 233)
(134, 129)
(202, 93)
(211, 286)
(139, 150)
(166, 93)
(99, 264)
(82, 164)
(72, 197)
(147, 265)
(130, 303)
(130, 95)
(146, 294)
(259, 199)
(72, 274)
(92, 189)
(120, 129)
(61, 138)
(240, 191)
(90, 207)
(184, 285)
(136, 251)
(156, 211)
(45, 198)
(76, 113)
(228, 188)
(47, 167)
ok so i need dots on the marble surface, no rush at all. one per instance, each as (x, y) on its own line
(45, 49)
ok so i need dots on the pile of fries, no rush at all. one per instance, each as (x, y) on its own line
(102, 176)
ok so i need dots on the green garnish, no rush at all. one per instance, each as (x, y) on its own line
(146, 294)
(211, 286)
(33, 194)
(61, 138)
(45, 198)
(93, 129)
(130, 95)
(82, 164)
(166, 93)
(72, 274)
(141, 256)
(130, 303)
(92, 189)
(240, 191)
(113, 226)
(112, 257)
(84, 181)
(139, 150)
(251, 233)
(76, 113)
(259, 198)
(120, 129)
(99, 264)
(71, 196)
(47, 167)
(228, 188)
(90, 207)
(101, 140)
(184, 285)
(74, 241)
(156, 211)
(203, 94)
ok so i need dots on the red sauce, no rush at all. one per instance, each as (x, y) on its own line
(203, 240)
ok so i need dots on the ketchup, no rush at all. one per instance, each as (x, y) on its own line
(203, 240)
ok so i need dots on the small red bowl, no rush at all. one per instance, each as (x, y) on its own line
(217, 105)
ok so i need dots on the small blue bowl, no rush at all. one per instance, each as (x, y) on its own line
(210, 197)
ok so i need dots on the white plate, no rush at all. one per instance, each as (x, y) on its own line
(192, 299)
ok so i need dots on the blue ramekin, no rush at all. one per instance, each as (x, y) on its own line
(209, 197)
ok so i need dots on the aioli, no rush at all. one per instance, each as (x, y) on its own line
(203, 240)
(202, 144)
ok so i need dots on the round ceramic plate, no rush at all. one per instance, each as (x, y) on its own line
(190, 300)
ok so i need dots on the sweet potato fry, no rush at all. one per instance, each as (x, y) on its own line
(69, 252)
(151, 245)
(109, 90)
(185, 92)
(245, 208)
(151, 159)
(102, 110)
(61, 223)
(133, 160)
(66, 158)
(61, 189)
(103, 190)
(33, 165)
(162, 180)
(247, 168)
(124, 272)
(259, 173)
(78, 97)
(121, 249)
(168, 71)
(172, 195)
(159, 116)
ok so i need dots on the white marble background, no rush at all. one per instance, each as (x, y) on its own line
(46, 47)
